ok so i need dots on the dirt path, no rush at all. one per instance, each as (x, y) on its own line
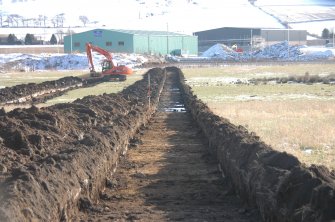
(167, 175)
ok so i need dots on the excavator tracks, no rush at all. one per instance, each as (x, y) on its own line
(167, 174)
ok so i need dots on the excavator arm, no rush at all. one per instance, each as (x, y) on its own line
(108, 67)
(91, 48)
(89, 57)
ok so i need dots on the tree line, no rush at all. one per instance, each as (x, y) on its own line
(29, 39)
(57, 21)
(327, 34)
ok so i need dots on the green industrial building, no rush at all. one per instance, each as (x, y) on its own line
(133, 41)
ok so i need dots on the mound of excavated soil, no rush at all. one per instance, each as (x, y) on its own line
(33, 93)
(281, 187)
(51, 158)
(57, 158)
(26, 92)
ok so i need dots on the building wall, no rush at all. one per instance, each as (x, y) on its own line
(278, 35)
(227, 34)
(179, 45)
(109, 40)
(165, 44)
(242, 37)
(132, 43)
(152, 44)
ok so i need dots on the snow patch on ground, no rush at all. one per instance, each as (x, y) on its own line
(199, 81)
(65, 61)
(275, 97)
(279, 52)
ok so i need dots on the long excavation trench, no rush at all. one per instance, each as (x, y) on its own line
(167, 174)
(179, 163)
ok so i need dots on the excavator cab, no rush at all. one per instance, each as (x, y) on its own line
(106, 65)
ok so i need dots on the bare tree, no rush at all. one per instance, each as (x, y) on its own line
(60, 18)
(53, 21)
(27, 22)
(40, 20)
(45, 18)
(24, 22)
(84, 19)
(60, 34)
(1, 16)
(70, 32)
(9, 21)
(36, 22)
(14, 18)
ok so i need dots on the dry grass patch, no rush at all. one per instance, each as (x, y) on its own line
(296, 118)
(302, 128)
(37, 77)
(106, 87)
(16, 78)
(261, 70)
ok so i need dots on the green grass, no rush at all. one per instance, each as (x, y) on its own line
(17, 78)
(11, 79)
(265, 92)
(106, 87)
(254, 71)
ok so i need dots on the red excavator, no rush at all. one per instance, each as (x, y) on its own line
(109, 70)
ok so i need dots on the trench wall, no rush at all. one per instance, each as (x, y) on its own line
(280, 186)
(56, 159)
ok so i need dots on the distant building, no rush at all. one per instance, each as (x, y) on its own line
(294, 36)
(248, 38)
(133, 41)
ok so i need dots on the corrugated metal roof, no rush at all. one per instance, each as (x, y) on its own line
(144, 32)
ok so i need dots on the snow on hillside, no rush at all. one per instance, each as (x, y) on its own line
(185, 16)
(280, 52)
(310, 15)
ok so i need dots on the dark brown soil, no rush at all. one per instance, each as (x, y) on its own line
(34, 93)
(51, 157)
(306, 79)
(70, 162)
(168, 175)
(280, 186)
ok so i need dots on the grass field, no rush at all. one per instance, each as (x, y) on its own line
(296, 118)
(106, 87)
(16, 78)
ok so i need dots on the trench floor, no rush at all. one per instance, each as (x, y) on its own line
(168, 175)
